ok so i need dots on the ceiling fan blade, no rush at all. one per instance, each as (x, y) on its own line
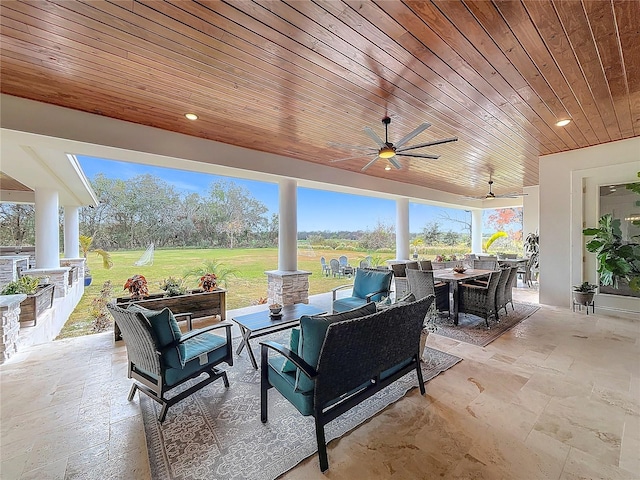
(369, 164)
(418, 155)
(428, 144)
(374, 136)
(418, 130)
(350, 147)
(349, 158)
(511, 195)
(395, 163)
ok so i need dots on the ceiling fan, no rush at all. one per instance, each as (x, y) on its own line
(490, 195)
(388, 150)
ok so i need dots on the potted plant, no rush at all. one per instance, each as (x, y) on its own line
(173, 287)
(415, 243)
(208, 282)
(85, 246)
(616, 259)
(39, 296)
(583, 293)
(137, 286)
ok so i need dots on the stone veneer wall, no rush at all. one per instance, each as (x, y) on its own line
(10, 327)
(58, 276)
(10, 266)
(287, 288)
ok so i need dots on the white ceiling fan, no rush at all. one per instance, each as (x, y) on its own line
(388, 150)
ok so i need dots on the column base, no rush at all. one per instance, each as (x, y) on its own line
(287, 287)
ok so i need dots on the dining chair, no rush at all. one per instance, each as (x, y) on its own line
(422, 284)
(480, 300)
(501, 298)
(508, 288)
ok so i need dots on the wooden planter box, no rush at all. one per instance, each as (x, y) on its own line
(73, 275)
(197, 303)
(34, 305)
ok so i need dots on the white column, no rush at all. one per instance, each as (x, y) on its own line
(288, 226)
(402, 229)
(47, 227)
(476, 231)
(71, 231)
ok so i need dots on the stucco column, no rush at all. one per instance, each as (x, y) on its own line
(71, 231)
(288, 226)
(402, 229)
(476, 231)
(47, 225)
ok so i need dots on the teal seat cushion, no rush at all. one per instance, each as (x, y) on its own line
(294, 341)
(313, 329)
(285, 383)
(369, 281)
(348, 303)
(166, 331)
(203, 349)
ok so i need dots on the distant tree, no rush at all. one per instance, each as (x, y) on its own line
(465, 222)
(17, 224)
(432, 233)
(450, 238)
(382, 236)
(508, 220)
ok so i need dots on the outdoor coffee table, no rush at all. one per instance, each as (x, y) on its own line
(261, 323)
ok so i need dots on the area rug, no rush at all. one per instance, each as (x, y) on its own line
(217, 433)
(473, 329)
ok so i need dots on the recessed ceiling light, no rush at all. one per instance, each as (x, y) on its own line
(387, 168)
(191, 116)
(562, 123)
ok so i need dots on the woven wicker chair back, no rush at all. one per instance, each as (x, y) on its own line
(485, 264)
(399, 269)
(420, 283)
(425, 265)
(136, 333)
(355, 351)
(412, 266)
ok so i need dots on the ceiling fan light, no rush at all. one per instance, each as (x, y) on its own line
(387, 167)
(387, 152)
(562, 123)
(191, 116)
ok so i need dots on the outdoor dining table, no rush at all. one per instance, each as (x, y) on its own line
(454, 279)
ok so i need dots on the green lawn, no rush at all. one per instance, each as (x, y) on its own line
(249, 284)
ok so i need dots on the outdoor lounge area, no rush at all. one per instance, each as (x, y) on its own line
(540, 401)
(462, 105)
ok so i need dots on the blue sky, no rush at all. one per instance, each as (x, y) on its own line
(317, 209)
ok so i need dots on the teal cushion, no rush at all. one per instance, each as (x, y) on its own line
(285, 383)
(207, 344)
(312, 332)
(369, 281)
(165, 331)
(348, 303)
(294, 340)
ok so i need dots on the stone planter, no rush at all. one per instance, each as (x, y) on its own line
(35, 304)
(198, 303)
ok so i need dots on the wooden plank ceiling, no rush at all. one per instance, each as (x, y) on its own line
(298, 77)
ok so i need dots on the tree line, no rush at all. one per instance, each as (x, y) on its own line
(131, 214)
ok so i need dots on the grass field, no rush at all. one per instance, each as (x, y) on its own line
(244, 289)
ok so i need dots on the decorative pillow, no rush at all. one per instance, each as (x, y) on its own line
(163, 324)
(294, 341)
(313, 329)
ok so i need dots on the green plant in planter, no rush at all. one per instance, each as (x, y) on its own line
(616, 259)
(26, 285)
(212, 267)
(585, 287)
(173, 287)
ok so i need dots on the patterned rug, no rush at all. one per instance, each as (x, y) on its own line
(472, 329)
(217, 433)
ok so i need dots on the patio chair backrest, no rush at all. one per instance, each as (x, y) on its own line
(343, 261)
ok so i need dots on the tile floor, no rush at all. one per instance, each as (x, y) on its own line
(557, 397)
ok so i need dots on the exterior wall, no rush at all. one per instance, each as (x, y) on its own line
(58, 276)
(287, 288)
(568, 202)
(10, 266)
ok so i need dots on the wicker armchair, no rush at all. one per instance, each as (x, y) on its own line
(508, 288)
(501, 298)
(480, 300)
(421, 284)
(161, 358)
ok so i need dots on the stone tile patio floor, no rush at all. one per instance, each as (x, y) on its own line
(556, 397)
